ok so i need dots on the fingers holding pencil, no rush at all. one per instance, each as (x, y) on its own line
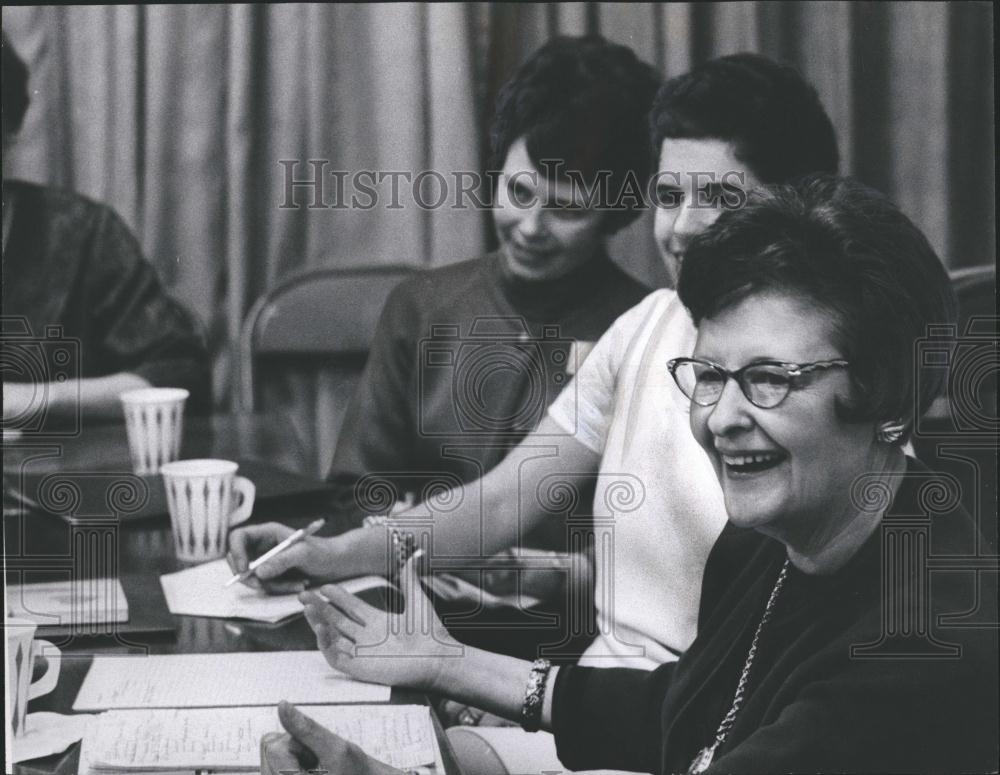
(286, 551)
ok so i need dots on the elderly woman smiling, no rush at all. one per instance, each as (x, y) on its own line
(803, 390)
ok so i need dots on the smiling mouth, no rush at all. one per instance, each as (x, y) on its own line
(535, 253)
(752, 463)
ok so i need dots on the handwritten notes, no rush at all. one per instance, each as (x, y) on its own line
(219, 680)
(229, 739)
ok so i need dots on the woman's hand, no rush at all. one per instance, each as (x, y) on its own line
(405, 649)
(309, 747)
(311, 559)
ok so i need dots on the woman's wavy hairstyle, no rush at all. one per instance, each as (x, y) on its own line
(846, 249)
(769, 113)
(585, 102)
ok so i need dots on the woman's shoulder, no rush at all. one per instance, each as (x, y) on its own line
(935, 500)
(446, 295)
(444, 287)
(52, 202)
(656, 306)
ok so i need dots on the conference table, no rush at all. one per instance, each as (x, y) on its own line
(37, 545)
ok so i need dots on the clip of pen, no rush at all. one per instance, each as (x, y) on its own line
(293, 539)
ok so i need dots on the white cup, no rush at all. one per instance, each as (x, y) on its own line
(154, 422)
(202, 497)
(22, 650)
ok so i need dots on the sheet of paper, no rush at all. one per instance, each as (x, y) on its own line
(228, 739)
(68, 603)
(219, 680)
(201, 591)
(48, 733)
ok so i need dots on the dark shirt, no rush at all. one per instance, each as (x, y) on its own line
(72, 263)
(464, 363)
(895, 704)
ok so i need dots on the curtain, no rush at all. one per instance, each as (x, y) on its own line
(192, 121)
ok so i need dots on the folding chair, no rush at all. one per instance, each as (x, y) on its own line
(317, 322)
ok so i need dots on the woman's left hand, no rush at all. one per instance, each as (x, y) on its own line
(405, 649)
(309, 747)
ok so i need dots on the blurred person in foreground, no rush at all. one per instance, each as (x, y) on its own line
(72, 263)
(803, 389)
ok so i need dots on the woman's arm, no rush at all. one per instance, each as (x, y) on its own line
(508, 505)
(93, 397)
(414, 649)
(138, 328)
(601, 717)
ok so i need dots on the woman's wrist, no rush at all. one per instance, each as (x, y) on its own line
(359, 552)
(444, 674)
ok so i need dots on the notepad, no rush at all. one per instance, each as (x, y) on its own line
(219, 680)
(229, 739)
(69, 603)
(201, 591)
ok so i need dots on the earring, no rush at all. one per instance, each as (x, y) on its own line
(890, 432)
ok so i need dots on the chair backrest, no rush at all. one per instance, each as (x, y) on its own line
(976, 289)
(327, 312)
(322, 322)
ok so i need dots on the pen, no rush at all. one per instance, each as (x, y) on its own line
(294, 538)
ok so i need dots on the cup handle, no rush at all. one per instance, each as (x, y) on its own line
(50, 677)
(247, 491)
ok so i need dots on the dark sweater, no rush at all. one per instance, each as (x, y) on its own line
(810, 705)
(464, 363)
(72, 263)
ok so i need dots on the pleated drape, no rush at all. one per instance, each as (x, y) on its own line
(186, 119)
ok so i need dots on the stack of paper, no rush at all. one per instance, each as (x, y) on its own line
(69, 603)
(219, 680)
(229, 738)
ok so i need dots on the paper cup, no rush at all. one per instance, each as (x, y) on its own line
(154, 423)
(22, 650)
(205, 498)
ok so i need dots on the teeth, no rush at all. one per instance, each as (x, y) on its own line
(745, 460)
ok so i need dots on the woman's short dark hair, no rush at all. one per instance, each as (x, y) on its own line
(845, 248)
(582, 101)
(14, 89)
(766, 110)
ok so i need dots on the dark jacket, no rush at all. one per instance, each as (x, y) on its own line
(73, 271)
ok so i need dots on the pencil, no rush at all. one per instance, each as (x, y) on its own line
(294, 538)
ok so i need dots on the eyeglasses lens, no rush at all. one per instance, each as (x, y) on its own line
(766, 386)
(706, 383)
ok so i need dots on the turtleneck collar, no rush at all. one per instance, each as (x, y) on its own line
(543, 300)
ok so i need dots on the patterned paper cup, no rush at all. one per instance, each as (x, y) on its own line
(206, 498)
(154, 422)
(22, 650)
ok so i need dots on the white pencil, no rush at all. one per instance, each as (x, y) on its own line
(294, 538)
